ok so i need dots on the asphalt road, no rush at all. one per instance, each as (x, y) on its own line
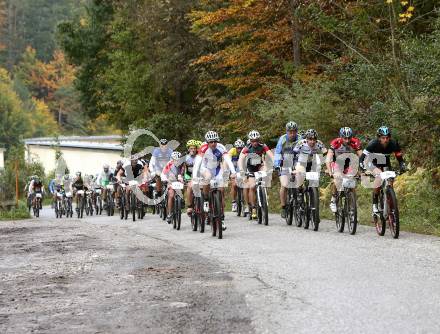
(104, 275)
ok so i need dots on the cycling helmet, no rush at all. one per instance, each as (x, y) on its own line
(311, 134)
(346, 132)
(119, 163)
(254, 135)
(176, 155)
(66, 177)
(192, 143)
(163, 141)
(239, 143)
(78, 174)
(212, 136)
(106, 166)
(291, 126)
(384, 131)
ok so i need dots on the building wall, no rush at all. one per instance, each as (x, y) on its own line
(2, 158)
(88, 161)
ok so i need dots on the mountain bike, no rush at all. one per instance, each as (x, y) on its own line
(68, 199)
(123, 211)
(36, 203)
(109, 200)
(178, 203)
(98, 201)
(346, 206)
(216, 213)
(262, 199)
(89, 202)
(132, 199)
(307, 208)
(388, 206)
(59, 204)
(80, 203)
(292, 209)
(240, 200)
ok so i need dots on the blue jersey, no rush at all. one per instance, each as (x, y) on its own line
(285, 149)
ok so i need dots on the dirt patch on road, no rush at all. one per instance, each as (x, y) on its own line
(89, 279)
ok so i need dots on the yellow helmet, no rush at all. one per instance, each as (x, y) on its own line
(192, 143)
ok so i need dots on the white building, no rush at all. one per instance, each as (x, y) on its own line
(84, 154)
(2, 158)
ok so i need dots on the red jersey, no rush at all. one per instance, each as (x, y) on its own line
(338, 147)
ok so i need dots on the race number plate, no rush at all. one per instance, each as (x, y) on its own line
(312, 176)
(177, 185)
(387, 175)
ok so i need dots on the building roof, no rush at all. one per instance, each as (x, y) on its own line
(90, 142)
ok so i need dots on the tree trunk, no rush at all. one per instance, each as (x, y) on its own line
(296, 32)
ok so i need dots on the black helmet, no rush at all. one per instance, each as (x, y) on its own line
(163, 141)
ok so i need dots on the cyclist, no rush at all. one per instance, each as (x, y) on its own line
(284, 157)
(103, 180)
(131, 169)
(173, 171)
(378, 154)
(234, 153)
(192, 146)
(254, 154)
(159, 158)
(344, 144)
(78, 184)
(209, 165)
(306, 152)
(55, 186)
(36, 187)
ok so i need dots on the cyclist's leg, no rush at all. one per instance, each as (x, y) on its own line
(189, 197)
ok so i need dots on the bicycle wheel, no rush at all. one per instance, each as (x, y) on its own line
(393, 213)
(307, 210)
(81, 209)
(300, 209)
(264, 206)
(289, 208)
(351, 211)
(239, 201)
(314, 208)
(122, 205)
(378, 219)
(178, 212)
(37, 208)
(133, 205)
(340, 212)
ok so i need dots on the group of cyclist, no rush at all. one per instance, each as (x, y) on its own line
(295, 154)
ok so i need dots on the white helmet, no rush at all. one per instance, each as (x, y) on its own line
(176, 155)
(239, 143)
(254, 135)
(212, 136)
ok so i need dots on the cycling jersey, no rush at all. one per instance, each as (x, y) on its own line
(189, 166)
(104, 178)
(212, 159)
(136, 170)
(377, 148)
(285, 148)
(159, 159)
(338, 147)
(306, 154)
(172, 170)
(233, 153)
(78, 184)
(255, 155)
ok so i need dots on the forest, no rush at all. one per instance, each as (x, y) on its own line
(180, 68)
